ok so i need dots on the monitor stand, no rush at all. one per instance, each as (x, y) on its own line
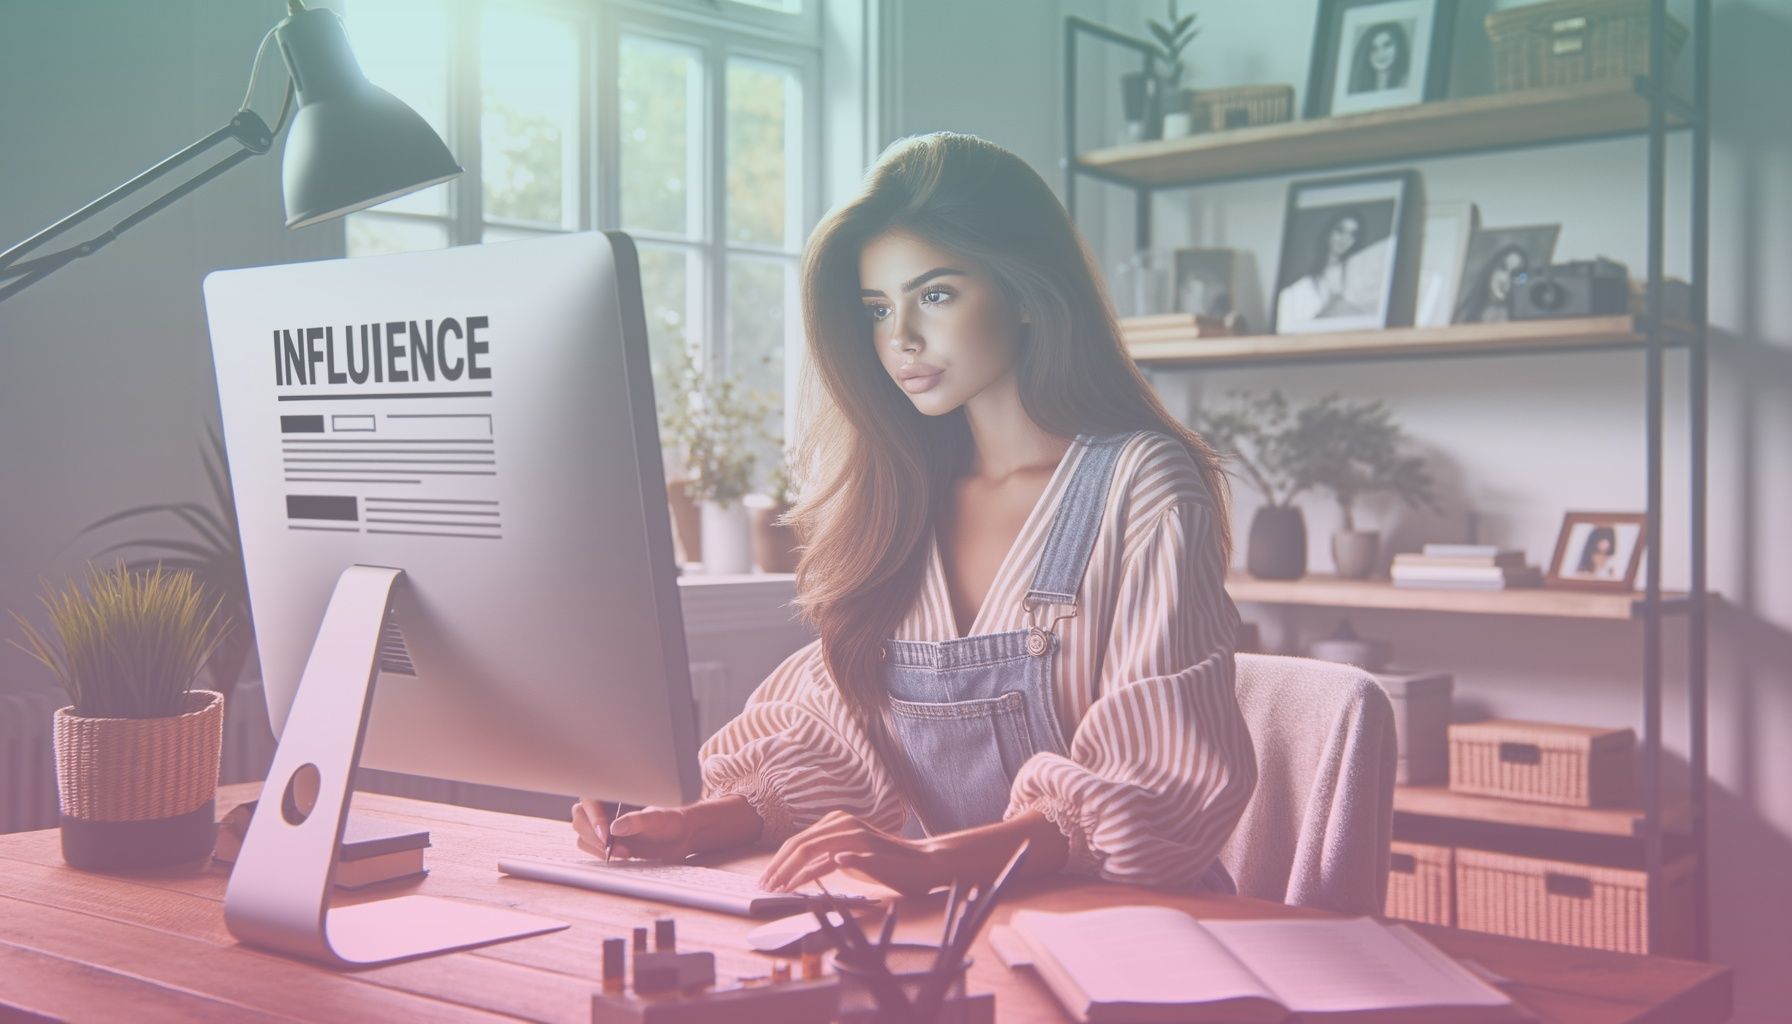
(279, 891)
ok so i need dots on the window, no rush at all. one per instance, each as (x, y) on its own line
(691, 124)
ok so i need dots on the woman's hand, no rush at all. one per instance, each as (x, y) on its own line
(847, 842)
(655, 833)
(666, 833)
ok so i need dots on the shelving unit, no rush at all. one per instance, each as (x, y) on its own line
(1636, 108)
(1324, 591)
(1572, 334)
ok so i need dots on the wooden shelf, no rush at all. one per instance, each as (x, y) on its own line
(1587, 110)
(1441, 802)
(1331, 592)
(1566, 334)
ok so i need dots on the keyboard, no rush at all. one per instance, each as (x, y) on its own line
(687, 885)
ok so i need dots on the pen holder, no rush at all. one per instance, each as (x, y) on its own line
(910, 964)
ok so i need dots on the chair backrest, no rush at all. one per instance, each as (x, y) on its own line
(1316, 830)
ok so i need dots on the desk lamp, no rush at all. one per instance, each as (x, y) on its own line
(352, 145)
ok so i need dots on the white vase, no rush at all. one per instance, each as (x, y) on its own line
(727, 539)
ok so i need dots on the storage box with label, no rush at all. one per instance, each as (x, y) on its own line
(1572, 765)
(1562, 42)
(1422, 883)
(1421, 719)
(1577, 904)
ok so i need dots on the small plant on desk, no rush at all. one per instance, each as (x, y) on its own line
(137, 749)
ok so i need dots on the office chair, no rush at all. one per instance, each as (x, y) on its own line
(1316, 830)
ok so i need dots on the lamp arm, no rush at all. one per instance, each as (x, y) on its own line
(246, 128)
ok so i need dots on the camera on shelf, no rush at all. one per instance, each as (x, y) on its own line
(1596, 287)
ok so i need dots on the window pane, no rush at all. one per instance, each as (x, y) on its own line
(671, 295)
(781, 6)
(529, 136)
(370, 234)
(759, 293)
(506, 233)
(764, 153)
(403, 47)
(661, 92)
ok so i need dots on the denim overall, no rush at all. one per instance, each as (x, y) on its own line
(968, 712)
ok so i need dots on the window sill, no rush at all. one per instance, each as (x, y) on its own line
(717, 604)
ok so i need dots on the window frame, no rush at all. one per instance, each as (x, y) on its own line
(719, 30)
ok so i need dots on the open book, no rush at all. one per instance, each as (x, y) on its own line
(1159, 964)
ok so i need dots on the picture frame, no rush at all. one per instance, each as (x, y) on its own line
(1208, 281)
(1494, 256)
(1598, 551)
(1377, 54)
(1347, 256)
(1443, 252)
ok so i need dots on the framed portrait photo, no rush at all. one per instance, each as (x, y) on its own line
(1208, 281)
(1345, 264)
(1375, 54)
(1443, 251)
(1494, 256)
(1598, 551)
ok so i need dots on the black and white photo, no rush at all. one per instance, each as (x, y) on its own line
(1495, 255)
(1342, 267)
(1373, 54)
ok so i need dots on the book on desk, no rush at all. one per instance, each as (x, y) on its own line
(1149, 963)
(372, 851)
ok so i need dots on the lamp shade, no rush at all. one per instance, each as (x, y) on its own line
(352, 144)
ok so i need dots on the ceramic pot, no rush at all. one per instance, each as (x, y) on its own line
(139, 792)
(774, 545)
(727, 539)
(1354, 552)
(1177, 124)
(687, 529)
(1346, 647)
(1277, 548)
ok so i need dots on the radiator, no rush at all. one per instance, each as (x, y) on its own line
(28, 759)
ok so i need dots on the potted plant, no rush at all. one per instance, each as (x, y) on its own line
(774, 541)
(1353, 449)
(1172, 36)
(712, 427)
(1253, 431)
(214, 555)
(137, 748)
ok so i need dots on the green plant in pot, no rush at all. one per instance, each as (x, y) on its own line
(1252, 432)
(137, 748)
(213, 554)
(1354, 449)
(1173, 35)
(713, 424)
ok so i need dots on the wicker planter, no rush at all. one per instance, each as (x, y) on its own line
(138, 792)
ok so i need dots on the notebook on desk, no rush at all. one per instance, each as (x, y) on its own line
(1144, 963)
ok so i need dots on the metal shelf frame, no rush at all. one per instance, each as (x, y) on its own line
(1693, 116)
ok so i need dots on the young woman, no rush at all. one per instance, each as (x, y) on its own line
(1014, 558)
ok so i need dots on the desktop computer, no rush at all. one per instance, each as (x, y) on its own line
(449, 488)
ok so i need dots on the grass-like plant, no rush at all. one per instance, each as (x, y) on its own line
(131, 645)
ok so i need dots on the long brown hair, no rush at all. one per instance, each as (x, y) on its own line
(875, 470)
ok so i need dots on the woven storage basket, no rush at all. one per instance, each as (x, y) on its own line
(1573, 765)
(1241, 106)
(1422, 883)
(1567, 41)
(138, 791)
(1576, 904)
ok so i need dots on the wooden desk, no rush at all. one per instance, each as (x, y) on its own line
(152, 946)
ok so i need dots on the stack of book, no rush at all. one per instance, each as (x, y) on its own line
(1157, 327)
(1465, 567)
(372, 851)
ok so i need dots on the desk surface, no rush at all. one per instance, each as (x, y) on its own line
(152, 945)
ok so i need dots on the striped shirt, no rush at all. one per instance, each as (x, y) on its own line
(1160, 764)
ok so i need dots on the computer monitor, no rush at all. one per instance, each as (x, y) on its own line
(451, 459)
